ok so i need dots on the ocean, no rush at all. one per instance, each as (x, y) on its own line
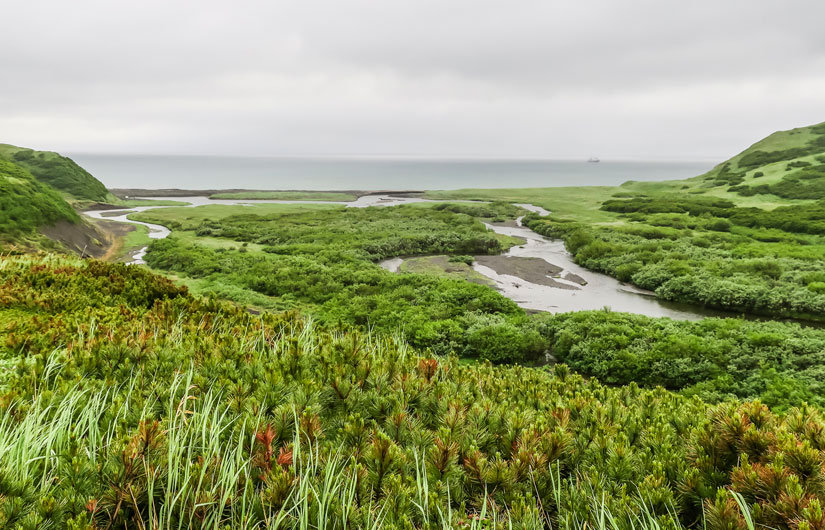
(274, 173)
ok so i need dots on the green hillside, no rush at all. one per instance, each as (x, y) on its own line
(787, 164)
(59, 172)
(26, 204)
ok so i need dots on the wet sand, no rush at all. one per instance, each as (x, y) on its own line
(532, 270)
(575, 278)
(506, 224)
(115, 213)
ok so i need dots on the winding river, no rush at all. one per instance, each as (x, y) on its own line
(589, 291)
(567, 286)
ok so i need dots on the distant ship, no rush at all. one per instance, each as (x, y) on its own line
(593, 159)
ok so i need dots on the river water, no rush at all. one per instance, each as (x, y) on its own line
(575, 289)
(600, 291)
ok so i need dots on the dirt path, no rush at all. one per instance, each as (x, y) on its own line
(115, 233)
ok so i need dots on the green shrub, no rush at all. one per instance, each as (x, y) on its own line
(322, 260)
(468, 260)
(817, 287)
(719, 225)
(626, 271)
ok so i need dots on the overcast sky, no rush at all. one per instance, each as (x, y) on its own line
(518, 78)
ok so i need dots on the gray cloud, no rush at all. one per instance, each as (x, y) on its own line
(638, 78)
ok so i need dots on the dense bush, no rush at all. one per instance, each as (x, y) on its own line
(760, 158)
(738, 259)
(338, 285)
(375, 233)
(196, 414)
(781, 364)
(492, 210)
(808, 183)
(801, 218)
(670, 203)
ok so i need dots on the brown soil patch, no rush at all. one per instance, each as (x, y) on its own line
(533, 270)
(100, 240)
(575, 278)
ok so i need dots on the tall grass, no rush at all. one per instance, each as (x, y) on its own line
(203, 476)
(187, 460)
(154, 411)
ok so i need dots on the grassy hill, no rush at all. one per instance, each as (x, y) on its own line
(26, 204)
(788, 164)
(35, 216)
(59, 172)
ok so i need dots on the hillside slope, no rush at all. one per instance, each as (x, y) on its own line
(59, 172)
(787, 164)
(35, 216)
(26, 204)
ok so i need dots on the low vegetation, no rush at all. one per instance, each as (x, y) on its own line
(323, 260)
(708, 252)
(125, 402)
(416, 400)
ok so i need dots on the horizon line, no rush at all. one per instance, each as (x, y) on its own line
(403, 157)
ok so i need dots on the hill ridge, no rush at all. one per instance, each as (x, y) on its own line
(58, 171)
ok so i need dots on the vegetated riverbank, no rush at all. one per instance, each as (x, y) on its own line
(540, 275)
(530, 274)
(724, 240)
(708, 252)
(320, 258)
(525, 273)
(134, 247)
